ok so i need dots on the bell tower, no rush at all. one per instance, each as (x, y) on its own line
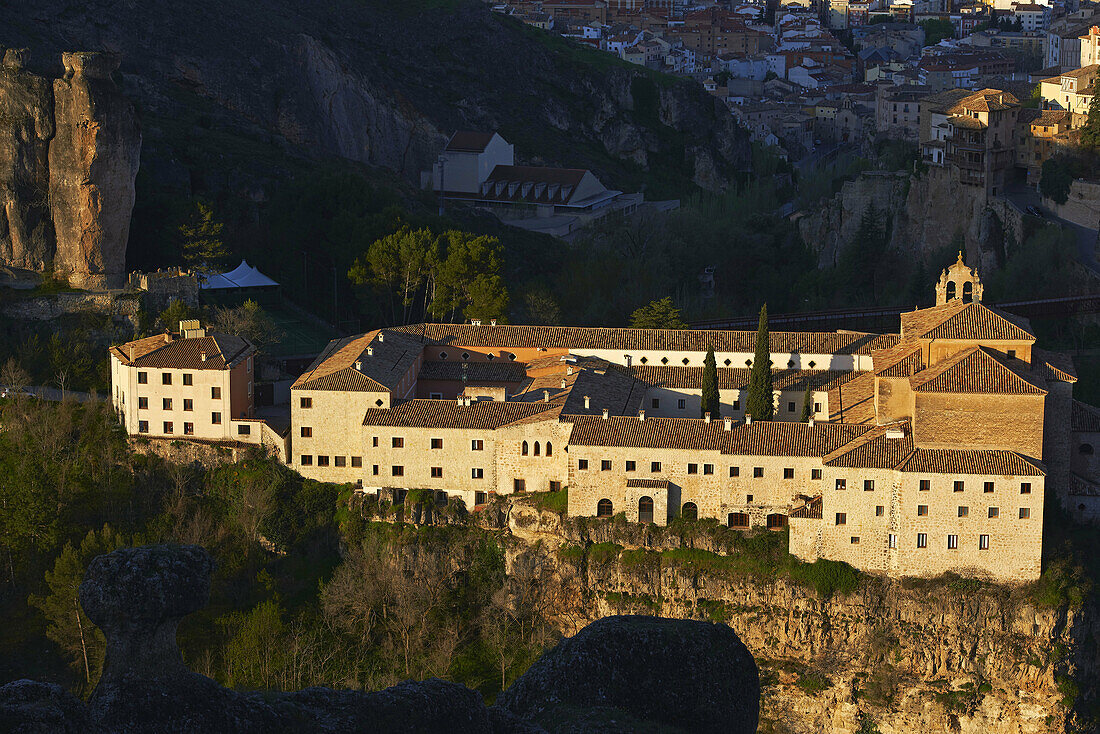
(959, 283)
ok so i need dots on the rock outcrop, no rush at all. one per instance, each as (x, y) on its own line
(68, 159)
(624, 674)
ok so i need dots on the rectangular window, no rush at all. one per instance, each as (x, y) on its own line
(994, 512)
(868, 485)
(306, 460)
(841, 518)
(166, 403)
(790, 407)
(480, 498)
(815, 474)
(437, 472)
(735, 471)
(357, 461)
(582, 464)
(1025, 488)
(841, 484)
(880, 510)
(437, 443)
(748, 498)
(216, 418)
(374, 441)
(397, 442)
(143, 426)
(656, 403)
(952, 542)
(892, 541)
(188, 404)
(708, 468)
(307, 432)
(519, 485)
(398, 471)
(477, 445)
(188, 429)
(374, 470)
(188, 378)
(922, 510)
(143, 403)
(758, 472)
(922, 540)
(340, 461)
(855, 540)
(960, 486)
(988, 488)
(737, 405)
(215, 393)
(244, 430)
(166, 378)
(631, 465)
(477, 473)
(322, 461)
(1025, 513)
(925, 485)
(555, 486)
(305, 402)
(435, 396)
(693, 468)
(964, 511)
(788, 472)
(983, 542)
(681, 404)
(817, 407)
(143, 378)
(655, 467)
(605, 465)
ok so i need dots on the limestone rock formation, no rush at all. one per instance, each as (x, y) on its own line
(68, 160)
(93, 162)
(685, 674)
(642, 672)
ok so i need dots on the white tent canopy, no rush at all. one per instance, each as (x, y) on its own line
(242, 276)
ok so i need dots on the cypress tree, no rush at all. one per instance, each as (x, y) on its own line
(760, 404)
(710, 403)
(807, 403)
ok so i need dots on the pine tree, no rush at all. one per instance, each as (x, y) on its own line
(710, 402)
(201, 238)
(760, 404)
(1090, 131)
(807, 403)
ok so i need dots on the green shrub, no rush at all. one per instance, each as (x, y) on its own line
(827, 577)
(604, 552)
(813, 683)
(552, 501)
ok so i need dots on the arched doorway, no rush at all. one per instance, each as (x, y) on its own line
(604, 508)
(690, 511)
(645, 509)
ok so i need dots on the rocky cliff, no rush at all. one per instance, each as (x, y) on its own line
(68, 159)
(621, 674)
(951, 655)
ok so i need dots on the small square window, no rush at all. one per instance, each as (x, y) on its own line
(748, 498)
(188, 404)
(758, 472)
(841, 484)
(656, 403)
(166, 403)
(477, 445)
(605, 465)
(964, 511)
(437, 472)
(737, 405)
(1025, 488)
(925, 485)
(437, 443)
(631, 466)
(994, 512)
(397, 442)
(374, 441)
(143, 403)
(922, 510)
(477, 473)
(357, 461)
(815, 474)
(143, 378)
(166, 378)
(790, 407)
(988, 488)
(841, 518)
(960, 486)
(215, 393)
(305, 403)
(216, 418)
(339, 461)
(143, 426)
(922, 540)
(693, 469)
(398, 471)
(188, 429)
(817, 407)
(681, 404)
(708, 468)
(307, 432)
(244, 430)
(735, 471)
(188, 378)
(582, 464)
(435, 396)
(983, 542)
(788, 472)
(880, 510)
(322, 461)
(868, 485)
(306, 460)
(374, 470)
(655, 467)
(1025, 513)
(952, 542)
(855, 540)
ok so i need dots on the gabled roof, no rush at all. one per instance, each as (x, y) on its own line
(975, 370)
(988, 462)
(473, 371)
(958, 320)
(854, 401)
(480, 414)
(1085, 417)
(469, 141)
(904, 360)
(612, 389)
(168, 351)
(391, 355)
(879, 448)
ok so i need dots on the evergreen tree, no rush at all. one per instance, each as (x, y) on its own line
(710, 403)
(661, 314)
(807, 403)
(1090, 131)
(760, 404)
(201, 238)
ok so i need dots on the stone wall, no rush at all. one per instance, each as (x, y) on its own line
(1083, 205)
(46, 308)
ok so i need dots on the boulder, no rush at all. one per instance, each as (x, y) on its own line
(620, 672)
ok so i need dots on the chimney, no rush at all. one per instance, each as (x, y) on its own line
(381, 336)
(605, 413)
(748, 419)
(132, 356)
(563, 382)
(587, 403)
(810, 422)
(728, 424)
(492, 322)
(359, 365)
(546, 396)
(569, 369)
(641, 415)
(370, 352)
(475, 322)
(706, 418)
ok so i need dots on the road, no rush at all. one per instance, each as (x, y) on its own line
(1021, 197)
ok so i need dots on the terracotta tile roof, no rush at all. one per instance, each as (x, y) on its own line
(168, 351)
(681, 340)
(1083, 72)
(647, 483)
(904, 360)
(975, 370)
(879, 448)
(606, 388)
(481, 414)
(854, 402)
(958, 320)
(809, 511)
(983, 462)
(775, 438)
(1054, 366)
(391, 355)
(469, 141)
(730, 378)
(652, 433)
(475, 371)
(1085, 417)
(986, 100)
